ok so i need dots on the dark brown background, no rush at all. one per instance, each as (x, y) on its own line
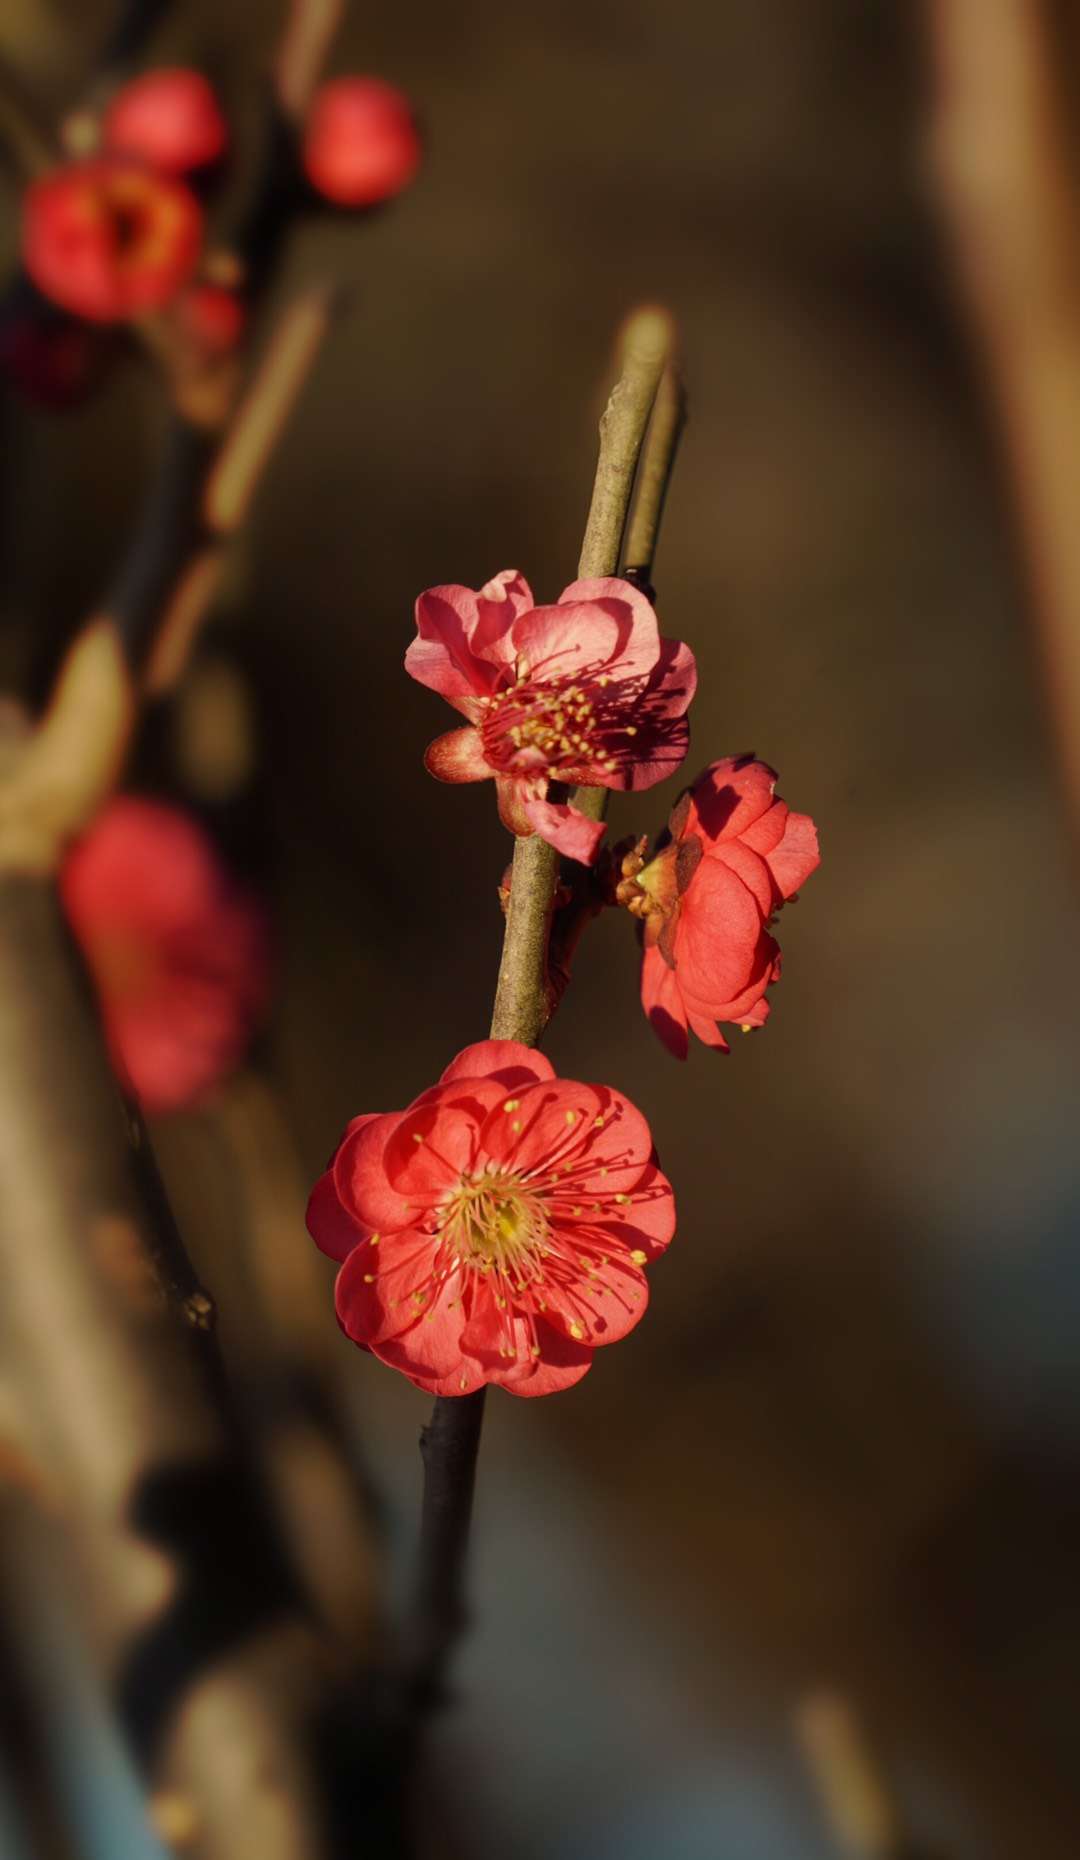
(843, 1444)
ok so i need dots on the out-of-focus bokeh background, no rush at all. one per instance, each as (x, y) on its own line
(842, 1449)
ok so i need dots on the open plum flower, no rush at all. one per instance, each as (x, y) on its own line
(178, 952)
(497, 1230)
(585, 691)
(734, 855)
(108, 239)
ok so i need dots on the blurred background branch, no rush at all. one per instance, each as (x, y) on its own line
(1004, 164)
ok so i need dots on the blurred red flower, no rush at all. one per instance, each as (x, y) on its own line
(735, 854)
(178, 952)
(585, 691)
(361, 144)
(212, 318)
(170, 119)
(496, 1230)
(108, 239)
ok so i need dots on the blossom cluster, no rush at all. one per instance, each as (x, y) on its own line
(498, 1229)
(120, 234)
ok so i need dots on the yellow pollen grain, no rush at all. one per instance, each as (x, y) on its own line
(746, 1029)
(374, 1240)
(631, 729)
(535, 1351)
(571, 1117)
(576, 1332)
(638, 1256)
(515, 1125)
(369, 1278)
(511, 1104)
(416, 1137)
(624, 1200)
(598, 1123)
(464, 1383)
(501, 1302)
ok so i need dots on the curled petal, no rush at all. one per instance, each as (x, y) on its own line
(571, 833)
(512, 795)
(729, 796)
(639, 643)
(334, 1231)
(796, 855)
(458, 756)
(662, 1000)
(506, 1060)
(359, 1172)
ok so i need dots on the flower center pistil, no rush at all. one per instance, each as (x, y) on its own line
(495, 1224)
(553, 725)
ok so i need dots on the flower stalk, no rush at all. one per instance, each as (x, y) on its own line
(451, 1441)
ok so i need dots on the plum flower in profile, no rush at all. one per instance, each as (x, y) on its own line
(733, 855)
(497, 1229)
(177, 951)
(585, 691)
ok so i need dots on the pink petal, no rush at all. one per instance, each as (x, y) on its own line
(506, 1060)
(661, 998)
(564, 828)
(673, 682)
(499, 603)
(463, 639)
(639, 644)
(458, 756)
(512, 793)
(796, 856)
(573, 641)
(660, 752)
(333, 1230)
(729, 796)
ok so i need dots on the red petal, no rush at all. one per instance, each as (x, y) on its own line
(565, 641)
(796, 856)
(334, 1231)
(661, 998)
(730, 795)
(359, 1171)
(720, 933)
(434, 1142)
(506, 1060)
(638, 645)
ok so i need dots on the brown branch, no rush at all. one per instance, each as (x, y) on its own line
(1004, 174)
(451, 1441)
(207, 1656)
(859, 1805)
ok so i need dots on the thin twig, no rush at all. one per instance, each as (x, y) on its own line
(654, 477)
(23, 134)
(450, 1442)
(859, 1805)
(1004, 171)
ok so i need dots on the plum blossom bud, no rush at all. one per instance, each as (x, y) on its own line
(361, 144)
(170, 119)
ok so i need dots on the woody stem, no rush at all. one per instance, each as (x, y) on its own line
(450, 1443)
